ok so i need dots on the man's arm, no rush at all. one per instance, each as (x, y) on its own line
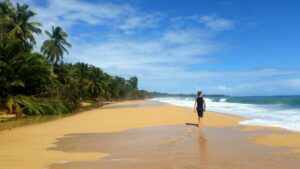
(195, 105)
(204, 105)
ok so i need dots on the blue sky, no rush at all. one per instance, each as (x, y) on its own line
(248, 47)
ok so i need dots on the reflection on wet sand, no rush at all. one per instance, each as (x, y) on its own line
(172, 147)
(203, 147)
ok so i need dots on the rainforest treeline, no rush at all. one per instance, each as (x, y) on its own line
(38, 83)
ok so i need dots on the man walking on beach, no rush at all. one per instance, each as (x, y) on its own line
(200, 107)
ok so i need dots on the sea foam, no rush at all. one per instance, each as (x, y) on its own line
(275, 115)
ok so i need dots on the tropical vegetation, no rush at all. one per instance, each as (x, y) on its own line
(38, 83)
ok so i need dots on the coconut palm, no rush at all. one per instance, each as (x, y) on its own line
(23, 28)
(6, 21)
(117, 87)
(8, 54)
(21, 69)
(17, 23)
(83, 71)
(6, 9)
(97, 85)
(55, 47)
(133, 82)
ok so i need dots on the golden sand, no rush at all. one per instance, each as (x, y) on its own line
(28, 146)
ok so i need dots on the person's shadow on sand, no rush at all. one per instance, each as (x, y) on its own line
(192, 124)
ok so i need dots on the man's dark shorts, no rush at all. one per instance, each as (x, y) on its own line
(200, 112)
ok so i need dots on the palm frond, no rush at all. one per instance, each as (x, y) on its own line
(37, 106)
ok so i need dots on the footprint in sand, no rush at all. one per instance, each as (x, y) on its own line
(191, 130)
(169, 140)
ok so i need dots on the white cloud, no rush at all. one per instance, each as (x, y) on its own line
(212, 22)
(223, 89)
(141, 21)
(184, 36)
(76, 13)
(291, 83)
(286, 86)
(216, 23)
(70, 12)
(149, 54)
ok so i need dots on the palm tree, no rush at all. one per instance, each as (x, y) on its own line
(15, 23)
(23, 28)
(8, 54)
(95, 89)
(133, 83)
(55, 47)
(82, 71)
(22, 72)
(116, 87)
(97, 85)
(6, 9)
(6, 13)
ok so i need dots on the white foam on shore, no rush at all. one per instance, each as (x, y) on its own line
(258, 115)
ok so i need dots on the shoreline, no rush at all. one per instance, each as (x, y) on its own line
(85, 108)
(29, 145)
(249, 127)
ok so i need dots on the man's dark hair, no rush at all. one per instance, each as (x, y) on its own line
(199, 93)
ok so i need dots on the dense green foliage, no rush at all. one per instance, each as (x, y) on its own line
(35, 83)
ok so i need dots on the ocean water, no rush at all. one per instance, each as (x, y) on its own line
(275, 111)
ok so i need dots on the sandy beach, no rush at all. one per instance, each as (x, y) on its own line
(145, 134)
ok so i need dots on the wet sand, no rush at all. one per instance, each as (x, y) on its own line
(144, 134)
(171, 147)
